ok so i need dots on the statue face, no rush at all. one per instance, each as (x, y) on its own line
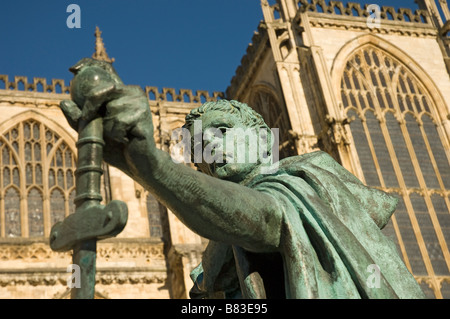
(229, 147)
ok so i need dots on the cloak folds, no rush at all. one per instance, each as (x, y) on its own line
(331, 240)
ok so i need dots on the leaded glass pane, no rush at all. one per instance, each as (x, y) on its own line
(389, 100)
(347, 81)
(71, 202)
(425, 104)
(36, 131)
(381, 151)
(29, 174)
(15, 146)
(401, 151)
(363, 150)
(51, 178)
(28, 151)
(58, 156)
(6, 177)
(35, 213)
(417, 104)
(429, 235)
(353, 100)
(16, 179)
(5, 156)
(57, 206)
(443, 215)
(68, 158)
(411, 85)
(375, 59)
(402, 84)
(26, 131)
(429, 294)
(355, 81)
(400, 103)
(37, 152)
(154, 216)
(38, 174)
(48, 136)
(445, 290)
(409, 239)
(409, 103)
(370, 100)
(421, 152)
(60, 178)
(437, 149)
(12, 213)
(380, 99)
(382, 79)
(367, 57)
(69, 178)
(14, 134)
(374, 78)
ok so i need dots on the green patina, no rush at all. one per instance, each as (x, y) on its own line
(309, 229)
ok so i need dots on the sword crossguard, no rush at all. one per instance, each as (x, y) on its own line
(89, 222)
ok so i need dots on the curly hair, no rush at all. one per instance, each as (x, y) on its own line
(249, 116)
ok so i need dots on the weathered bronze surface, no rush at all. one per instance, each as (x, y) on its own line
(308, 229)
(91, 220)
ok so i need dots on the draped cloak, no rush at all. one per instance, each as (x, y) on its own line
(331, 242)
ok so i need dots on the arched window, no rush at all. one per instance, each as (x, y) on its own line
(274, 115)
(398, 142)
(37, 175)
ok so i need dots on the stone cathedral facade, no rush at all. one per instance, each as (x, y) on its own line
(374, 97)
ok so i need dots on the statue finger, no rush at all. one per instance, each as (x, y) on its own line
(71, 111)
(115, 130)
(95, 99)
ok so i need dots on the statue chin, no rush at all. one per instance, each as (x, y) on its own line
(233, 171)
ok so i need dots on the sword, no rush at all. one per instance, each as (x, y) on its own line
(91, 221)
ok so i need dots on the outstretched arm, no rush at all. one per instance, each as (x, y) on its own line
(216, 209)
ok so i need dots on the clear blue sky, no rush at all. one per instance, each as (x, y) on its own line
(183, 44)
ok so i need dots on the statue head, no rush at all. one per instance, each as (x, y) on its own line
(234, 133)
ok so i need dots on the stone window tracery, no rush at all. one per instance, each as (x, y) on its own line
(397, 138)
(38, 180)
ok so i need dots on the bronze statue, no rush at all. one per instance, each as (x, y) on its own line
(310, 229)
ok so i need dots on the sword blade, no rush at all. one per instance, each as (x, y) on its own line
(84, 255)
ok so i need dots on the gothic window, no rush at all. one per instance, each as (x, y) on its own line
(397, 138)
(274, 115)
(37, 175)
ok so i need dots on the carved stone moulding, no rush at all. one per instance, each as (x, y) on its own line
(33, 278)
(27, 250)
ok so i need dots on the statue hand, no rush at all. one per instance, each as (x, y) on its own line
(126, 117)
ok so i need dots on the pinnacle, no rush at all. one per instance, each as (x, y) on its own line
(100, 50)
